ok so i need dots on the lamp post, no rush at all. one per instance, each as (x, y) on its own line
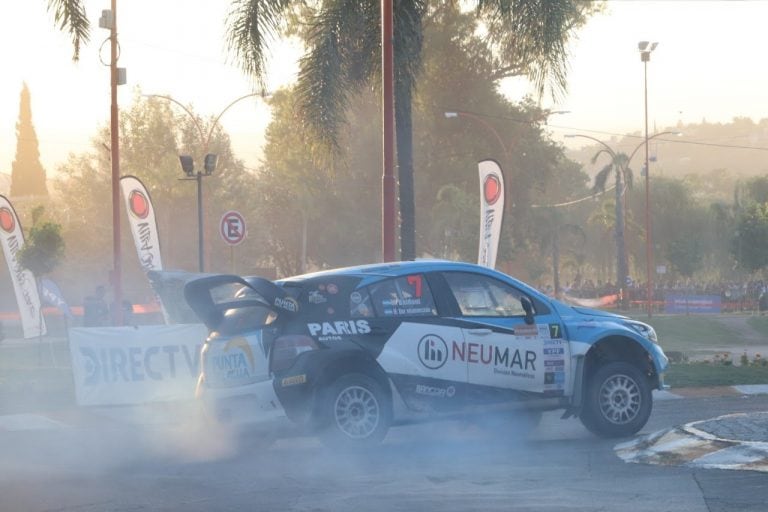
(479, 118)
(209, 163)
(486, 124)
(117, 75)
(645, 55)
(188, 166)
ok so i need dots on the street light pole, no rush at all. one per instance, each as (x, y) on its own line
(108, 21)
(486, 124)
(645, 55)
(388, 210)
(187, 164)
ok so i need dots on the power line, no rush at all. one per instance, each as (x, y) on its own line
(615, 134)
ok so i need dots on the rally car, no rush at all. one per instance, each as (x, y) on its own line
(348, 352)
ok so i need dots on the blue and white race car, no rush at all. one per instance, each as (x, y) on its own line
(349, 352)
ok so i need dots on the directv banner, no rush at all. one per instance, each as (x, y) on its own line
(692, 304)
(135, 365)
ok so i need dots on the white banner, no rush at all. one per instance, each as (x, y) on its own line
(141, 216)
(491, 211)
(135, 365)
(27, 297)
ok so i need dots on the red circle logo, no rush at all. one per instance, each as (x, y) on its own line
(492, 189)
(7, 220)
(139, 204)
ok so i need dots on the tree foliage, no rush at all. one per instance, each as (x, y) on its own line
(43, 249)
(27, 173)
(750, 243)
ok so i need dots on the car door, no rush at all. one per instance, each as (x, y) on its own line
(501, 348)
(417, 354)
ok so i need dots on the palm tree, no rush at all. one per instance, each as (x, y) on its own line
(69, 16)
(524, 37)
(553, 228)
(619, 168)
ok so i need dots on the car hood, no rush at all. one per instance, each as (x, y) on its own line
(596, 312)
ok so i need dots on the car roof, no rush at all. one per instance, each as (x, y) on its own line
(392, 269)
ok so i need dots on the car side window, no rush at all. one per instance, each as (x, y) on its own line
(360, 304)
(479, 295)
(403, 296)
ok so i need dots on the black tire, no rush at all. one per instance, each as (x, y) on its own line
(355, 410)
(617, 402)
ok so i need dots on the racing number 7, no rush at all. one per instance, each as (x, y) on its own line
(415, 281)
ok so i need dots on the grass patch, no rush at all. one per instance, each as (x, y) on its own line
(687, 333)
(706, 375)
(760, 324)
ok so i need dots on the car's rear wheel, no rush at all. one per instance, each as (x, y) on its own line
(355, 411)
(617, 402)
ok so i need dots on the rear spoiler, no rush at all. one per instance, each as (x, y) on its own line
(197, 293)
(169, 287)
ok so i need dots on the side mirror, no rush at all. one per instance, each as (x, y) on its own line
(528, 308)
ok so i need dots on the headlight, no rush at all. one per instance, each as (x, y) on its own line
(644, 330)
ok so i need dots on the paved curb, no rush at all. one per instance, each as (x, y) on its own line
(691, 446)
(677, 393)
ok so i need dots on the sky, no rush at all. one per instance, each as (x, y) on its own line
(709, 64)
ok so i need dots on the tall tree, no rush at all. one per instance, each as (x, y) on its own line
(524, 37)
(618, 167)
(27, 173)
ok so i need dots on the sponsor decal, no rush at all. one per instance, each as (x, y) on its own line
(236, 361)
(555, 331)
(333, 331)
(526, 330)
(491, 211)
(356, 298)
(491, 189)
(409, 306)
(315, 297)
(135, 364)
(7, 220)
(422, 389)
(294, 380)
(503, 359)
(554, 378)
(287, 303)
(141, 217)
(554, 351)
(432, 351)
(332, 289)
(138, 204)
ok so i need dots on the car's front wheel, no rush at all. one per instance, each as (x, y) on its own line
(617, 402)
(355, 411)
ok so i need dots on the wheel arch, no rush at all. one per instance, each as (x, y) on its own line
(620, 348)
(353, 362)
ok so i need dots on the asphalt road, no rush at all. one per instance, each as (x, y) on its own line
(445, 466)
